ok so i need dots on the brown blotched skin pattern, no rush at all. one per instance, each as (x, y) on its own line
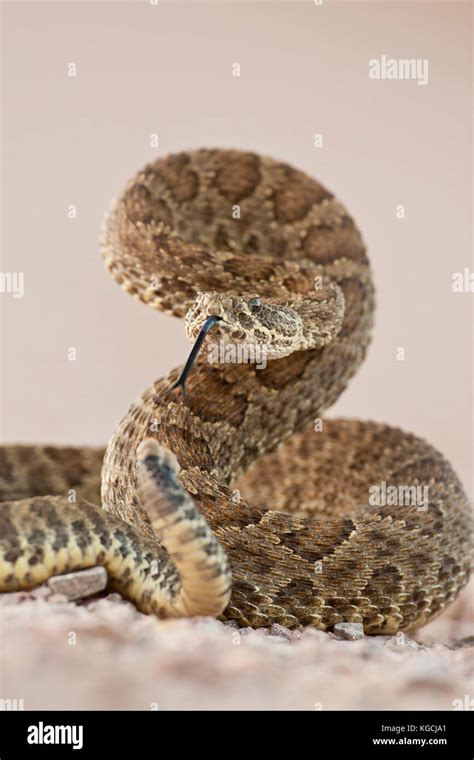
(244, 502)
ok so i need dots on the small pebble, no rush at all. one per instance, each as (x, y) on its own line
(114, 597)
(349, 631)
(103, 603)
(246, 631)
(281, 631)
(80, 584)
(401, 642)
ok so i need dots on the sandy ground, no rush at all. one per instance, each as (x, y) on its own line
(103, 654)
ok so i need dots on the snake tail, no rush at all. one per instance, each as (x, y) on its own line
(192, 577)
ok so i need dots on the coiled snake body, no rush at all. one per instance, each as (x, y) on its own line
(270, 518)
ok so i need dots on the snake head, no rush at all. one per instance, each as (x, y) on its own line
(243, 329)
(245, 324)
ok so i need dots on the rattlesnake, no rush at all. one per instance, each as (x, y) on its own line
(270, 519)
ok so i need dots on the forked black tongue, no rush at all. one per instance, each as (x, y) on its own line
(181, 381)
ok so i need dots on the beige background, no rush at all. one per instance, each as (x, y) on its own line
(167, 69)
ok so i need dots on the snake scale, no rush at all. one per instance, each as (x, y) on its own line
(239, 499)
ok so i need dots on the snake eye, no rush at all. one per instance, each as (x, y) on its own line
(254, 302)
